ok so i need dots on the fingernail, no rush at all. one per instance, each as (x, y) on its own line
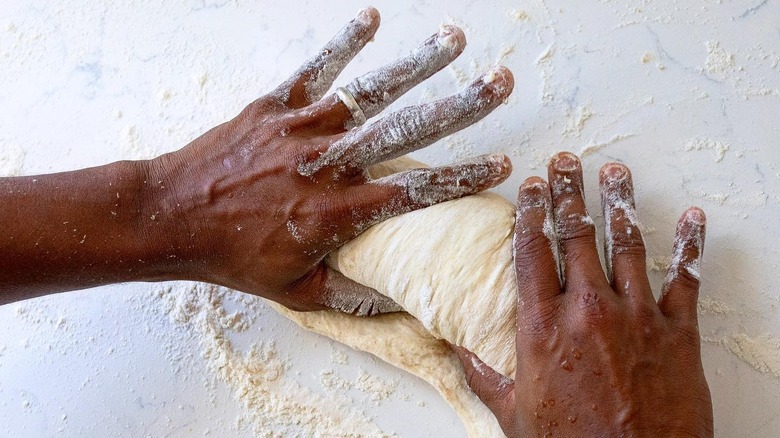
(614, 172)
(497, 168)
(500, 80)
(565, 162)
(533, 183)
(501, 163)
(495, 72)
(695, 215)
(450, 37)
(533, 193)
(367, 15)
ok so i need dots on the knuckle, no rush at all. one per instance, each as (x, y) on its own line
(594, 310)
(646, 313)
(538, 322)
(530, 245)
(573, 229)
(258, 109)
(687, 337)
(631, 244)
(686, 280)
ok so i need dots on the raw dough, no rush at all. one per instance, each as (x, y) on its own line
(450, 266)
(403, 342)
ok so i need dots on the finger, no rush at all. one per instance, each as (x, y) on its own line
(624, 250)
(495, 390)
(414, 127)
(310, 82)
(325, 288)
(374, 91)
(574, 227)
(402, 192)
(681, 287)
(535, 249)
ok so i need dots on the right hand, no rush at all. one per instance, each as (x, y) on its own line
(598, 356)
(256, 203)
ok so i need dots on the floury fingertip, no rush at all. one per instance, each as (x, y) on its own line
(367, 15)
(565, 162)
(614, 172)
(451, 37)
(695, 215)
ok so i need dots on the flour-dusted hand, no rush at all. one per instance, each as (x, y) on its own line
(256, 203)
(264, 197)
(596, 354)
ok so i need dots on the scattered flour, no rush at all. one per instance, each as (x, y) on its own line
(700, 144)
(718, 198)
(332, 381)
(658, 263)
(377, 388)
(712, 306)
(577, 121)
(338, 356)
(11, 160)
(762, 352)
(133, 147)
(719, 63)
(274, 403)
(518, 15)
(594, 147)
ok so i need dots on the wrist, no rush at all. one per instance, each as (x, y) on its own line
(168, 218)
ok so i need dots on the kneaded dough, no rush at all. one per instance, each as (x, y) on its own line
(450, 267)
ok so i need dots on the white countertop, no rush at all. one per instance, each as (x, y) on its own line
(686, 93)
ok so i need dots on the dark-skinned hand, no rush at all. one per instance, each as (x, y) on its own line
(597, 355)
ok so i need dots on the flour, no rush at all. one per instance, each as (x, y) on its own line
(714, 307)
(719, 148)
(377, 388)
(720, 63)
(577, 121)
(11, 159)
(134, 148)
(274, 403)
(338, 356)
(594, 147)
(762, 352)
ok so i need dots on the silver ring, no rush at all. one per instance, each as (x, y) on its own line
(358, 116)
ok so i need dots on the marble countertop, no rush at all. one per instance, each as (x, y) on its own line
(686, 93)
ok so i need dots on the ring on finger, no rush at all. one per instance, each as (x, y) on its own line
(358, 116)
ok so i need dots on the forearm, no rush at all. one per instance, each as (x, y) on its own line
(79, 229)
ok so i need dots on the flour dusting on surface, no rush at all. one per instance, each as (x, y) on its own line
(11, 160)
(274, 403)
(762, 352)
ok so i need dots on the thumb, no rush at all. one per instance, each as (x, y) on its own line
(339, 293)
(495, 390)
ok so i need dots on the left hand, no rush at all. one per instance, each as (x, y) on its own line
(596, 354)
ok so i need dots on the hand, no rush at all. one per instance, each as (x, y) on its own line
(597, 356)
(255, 204)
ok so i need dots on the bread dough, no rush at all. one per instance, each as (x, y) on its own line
(450, 267)
(400, 340)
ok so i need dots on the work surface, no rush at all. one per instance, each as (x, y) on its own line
(686, 93)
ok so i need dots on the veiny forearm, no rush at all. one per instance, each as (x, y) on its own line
(78, 229)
